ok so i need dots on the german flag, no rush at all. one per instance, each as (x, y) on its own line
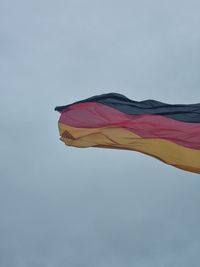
(170, 133)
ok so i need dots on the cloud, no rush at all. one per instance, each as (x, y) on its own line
(63, 206)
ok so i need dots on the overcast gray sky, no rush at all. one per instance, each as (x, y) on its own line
(68, 207)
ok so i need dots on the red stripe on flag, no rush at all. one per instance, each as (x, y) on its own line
(95, 115)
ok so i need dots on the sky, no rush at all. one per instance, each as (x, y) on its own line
(69, 207)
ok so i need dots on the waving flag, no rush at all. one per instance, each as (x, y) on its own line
(170, 133)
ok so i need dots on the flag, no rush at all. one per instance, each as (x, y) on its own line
(168, 132)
